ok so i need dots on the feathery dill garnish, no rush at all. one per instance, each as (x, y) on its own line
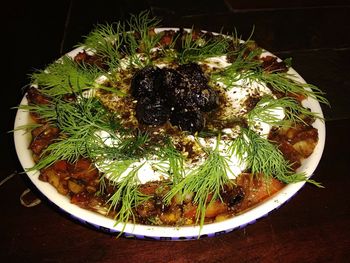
(112, 170)
(105, 41)
(263, 157)
(172, 162)
(245, 62)
(199, 49)
(65, 76)
(117, 41)
(78, 122)
(81, 123)
(126, 197)
(126, 145)
(142, 26)
(140, 38)
(247, 67)
(286, 83)
(267, 111)
(117, 155)
(236, 42)
(46, 112)
(130, 50)
(88, 113)
(205, 181)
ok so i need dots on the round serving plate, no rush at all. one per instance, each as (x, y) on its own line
(22, 140)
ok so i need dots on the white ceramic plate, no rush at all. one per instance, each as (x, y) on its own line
(22, 140)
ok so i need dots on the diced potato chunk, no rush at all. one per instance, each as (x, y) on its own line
(75, 187)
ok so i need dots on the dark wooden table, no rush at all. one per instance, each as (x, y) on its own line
(312, 227)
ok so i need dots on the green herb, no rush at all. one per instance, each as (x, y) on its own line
(127, 197)
(105, 41)
(64, 77)
(68, 77)
(266, 108)
(121, 44)
(112, 170)
(143, 26)
(237, 44)
(286, 83)
(78, 122)
(193, 50)
(243, 65)
(46, 112)
(204, 182)
(140, 39)
(81, 123)
(263, 157)
(127, 145)
(173, 163)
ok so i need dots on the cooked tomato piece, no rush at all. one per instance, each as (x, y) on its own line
(84, 169)
(34, 96)
(43, 136)
(271, 64)
(146, 209)
(215, 208)
(171, 216)
(189, 210)
(257, 188)
(296, 142)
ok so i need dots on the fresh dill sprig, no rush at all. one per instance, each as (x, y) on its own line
(143, 26)
(115, 168)
(193, 50)
(248, 68)
(140, 38)
(286, 83)
(135, 146)
(64, 77)
(130, 49)
(237, 43)
(105, 41)
(121, 43)
(268, 110)
(205, 182)
(127, 197)
(173, 163)
(27, 127)
(78, 121)
(142, 23)
(85, 112)
(263, 157)
(126, 145)
(244, 63)
(64, 148)
(81, 123)
(46, 112)
(112, 170)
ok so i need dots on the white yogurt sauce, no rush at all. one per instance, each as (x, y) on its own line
(149, 168)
